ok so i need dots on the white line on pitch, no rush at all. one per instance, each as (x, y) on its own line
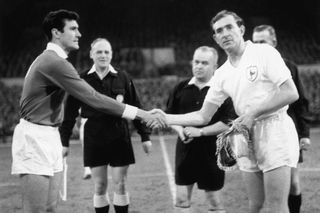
(169, 171)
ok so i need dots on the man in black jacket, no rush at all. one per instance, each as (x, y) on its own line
(297, 110)
(106, 137)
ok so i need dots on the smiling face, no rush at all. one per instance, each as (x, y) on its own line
(68, 38)
(101, 54)
(227, 33)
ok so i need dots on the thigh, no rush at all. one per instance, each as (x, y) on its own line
(54, 187)
(255, 187)
(277, 185)
(35, 190)
(100, 174)
(120, 173)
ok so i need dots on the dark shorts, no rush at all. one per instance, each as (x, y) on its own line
(196, 163)
(106, 144)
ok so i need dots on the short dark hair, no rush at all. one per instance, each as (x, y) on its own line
(225, 13)
(268, 28)
(56, 19)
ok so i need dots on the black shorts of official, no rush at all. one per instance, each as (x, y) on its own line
(196, 163)
(107, 144)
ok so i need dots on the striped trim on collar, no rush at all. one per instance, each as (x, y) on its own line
(56, 48)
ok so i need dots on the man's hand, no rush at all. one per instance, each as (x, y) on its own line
(152, 120)
(246, 120)
(65, 151)
(192, 132)
(305, 143)
(158, 119)
(147, 147)
(183, 137)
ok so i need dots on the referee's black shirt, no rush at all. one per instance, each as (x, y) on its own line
(115, 84)
(187, 98)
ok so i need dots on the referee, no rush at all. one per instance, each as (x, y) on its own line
(195, 160)
(106, 137)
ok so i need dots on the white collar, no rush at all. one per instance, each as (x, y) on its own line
(57, 49)
(193, 81)
(104, 74)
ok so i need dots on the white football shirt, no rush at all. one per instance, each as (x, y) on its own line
(259, 74)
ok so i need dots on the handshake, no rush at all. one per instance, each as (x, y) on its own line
(155, 119)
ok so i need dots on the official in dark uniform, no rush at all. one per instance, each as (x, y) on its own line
(106, 137)
(195, 160)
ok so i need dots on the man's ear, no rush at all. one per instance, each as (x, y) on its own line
(242, 29)
(55, 33)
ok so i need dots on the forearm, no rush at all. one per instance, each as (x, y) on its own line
(189, 119)
(196, 118)
(214, 129)
(286, 95)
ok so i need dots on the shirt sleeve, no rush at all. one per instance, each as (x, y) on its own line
(275, 68)
(71, 112)
(66, 77)
(134, 100)
(215, 94)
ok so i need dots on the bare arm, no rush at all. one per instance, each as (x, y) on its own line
(287, 94)
(197, 118)
(213, 129)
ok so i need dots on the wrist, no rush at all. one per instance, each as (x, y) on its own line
(201, 132)
(130, 112)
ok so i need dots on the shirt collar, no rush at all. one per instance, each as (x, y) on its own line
(56, 48)
(193, 82)
(111, 70)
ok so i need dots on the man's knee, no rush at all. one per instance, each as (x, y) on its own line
(100, 187)
(255, 206)
(120, 185)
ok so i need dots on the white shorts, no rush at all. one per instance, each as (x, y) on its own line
(275, 142)
(36, 149)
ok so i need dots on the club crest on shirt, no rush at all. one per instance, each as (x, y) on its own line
(252, 73)
(119, 98)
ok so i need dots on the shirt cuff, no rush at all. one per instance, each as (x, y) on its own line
(130, 112)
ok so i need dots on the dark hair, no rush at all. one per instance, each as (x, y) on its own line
(225, 13)
(56, 19)
(268, 28)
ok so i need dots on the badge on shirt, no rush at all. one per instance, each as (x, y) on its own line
(252, 73)
(119, 98)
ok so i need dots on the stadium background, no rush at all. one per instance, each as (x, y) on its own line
(152, 40)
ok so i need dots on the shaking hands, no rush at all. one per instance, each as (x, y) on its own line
(155, 119)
